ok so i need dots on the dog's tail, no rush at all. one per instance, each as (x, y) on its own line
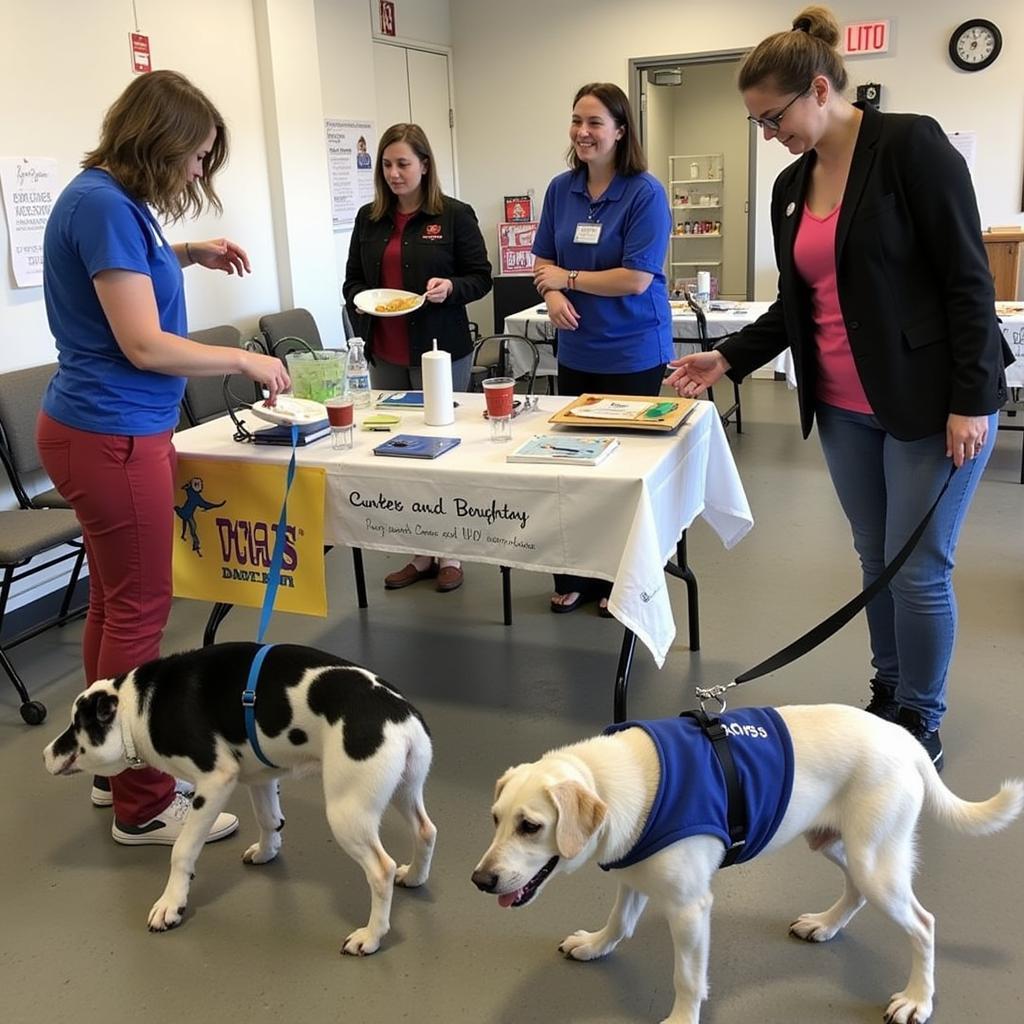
(976, 818)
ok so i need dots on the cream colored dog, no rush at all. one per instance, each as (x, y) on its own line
(859, 784)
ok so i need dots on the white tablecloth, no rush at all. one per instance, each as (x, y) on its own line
(1013, 331)
(618, 521)
(533, 323)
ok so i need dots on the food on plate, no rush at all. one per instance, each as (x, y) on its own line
(397, 305)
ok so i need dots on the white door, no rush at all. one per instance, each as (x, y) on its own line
(412, 85)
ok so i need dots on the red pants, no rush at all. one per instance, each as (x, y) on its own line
(122, 490)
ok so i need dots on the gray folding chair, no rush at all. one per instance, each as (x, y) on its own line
(290, 331)
(504, 355)
(42, 524)
(204, 396)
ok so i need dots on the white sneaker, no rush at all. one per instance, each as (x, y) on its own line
(165, 828)
(102, 797)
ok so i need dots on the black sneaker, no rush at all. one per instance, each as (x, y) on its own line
(928, 738)
(883, 701)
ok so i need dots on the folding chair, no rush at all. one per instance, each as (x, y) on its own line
(707, 346)
(293, 330)
(204, 396)
(504, 355)
(41, 524)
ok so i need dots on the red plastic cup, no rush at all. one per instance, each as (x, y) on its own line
(498, 393)
(339, 411)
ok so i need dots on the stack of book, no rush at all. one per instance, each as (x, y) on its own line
(308, 433)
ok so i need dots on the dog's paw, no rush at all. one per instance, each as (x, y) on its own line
(813, 928)
(583, 945)
(362, 942)
(403, 878)
(260, 854)
(166, 914)
(905, 1009)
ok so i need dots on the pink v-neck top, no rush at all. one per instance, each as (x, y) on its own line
(814, 255)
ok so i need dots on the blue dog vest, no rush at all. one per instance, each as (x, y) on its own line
(691, 798)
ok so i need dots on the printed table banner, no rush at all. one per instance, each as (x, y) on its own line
(225, 528)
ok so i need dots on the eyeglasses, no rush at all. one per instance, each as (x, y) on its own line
(772, 124)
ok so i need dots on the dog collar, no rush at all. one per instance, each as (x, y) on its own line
(130, 754)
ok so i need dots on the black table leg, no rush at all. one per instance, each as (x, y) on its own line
(357, 565)
(682, 571)
(506, 593)
(622, 674)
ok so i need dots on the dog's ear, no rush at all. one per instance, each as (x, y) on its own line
(106, 708)
(580, 814)
(501, 783)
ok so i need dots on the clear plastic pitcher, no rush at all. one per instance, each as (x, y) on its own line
(318, 375)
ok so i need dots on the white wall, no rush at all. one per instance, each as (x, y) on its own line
(64, 66)
(514, 91)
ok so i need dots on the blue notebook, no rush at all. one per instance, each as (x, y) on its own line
(308, 433)
(416, 446)
(401, 400)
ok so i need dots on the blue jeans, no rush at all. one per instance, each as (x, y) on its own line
(885, 487)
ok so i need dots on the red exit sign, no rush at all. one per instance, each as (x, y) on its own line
(866, 37)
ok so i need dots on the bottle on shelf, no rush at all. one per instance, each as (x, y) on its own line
(358, 374)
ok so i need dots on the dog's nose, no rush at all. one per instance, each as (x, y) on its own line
(485, 881)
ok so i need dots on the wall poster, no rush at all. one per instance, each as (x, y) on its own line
(351, 151)
(30, 188)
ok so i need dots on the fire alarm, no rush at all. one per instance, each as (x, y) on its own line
(870, 92)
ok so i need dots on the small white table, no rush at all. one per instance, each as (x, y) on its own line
(620, 521)
(533, 324)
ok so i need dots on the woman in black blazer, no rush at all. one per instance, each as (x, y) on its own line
(414, 237)
(886, 299)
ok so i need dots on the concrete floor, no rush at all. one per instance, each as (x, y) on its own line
(261, 944)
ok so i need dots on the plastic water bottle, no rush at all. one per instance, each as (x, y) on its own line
(358, 374)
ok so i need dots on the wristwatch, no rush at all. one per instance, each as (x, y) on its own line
(573, 274)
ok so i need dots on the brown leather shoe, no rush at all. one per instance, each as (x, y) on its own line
(408, 575)
(449, 578)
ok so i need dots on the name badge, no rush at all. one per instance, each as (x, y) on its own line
(587, 233)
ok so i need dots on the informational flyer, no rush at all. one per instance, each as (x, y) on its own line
(966, 144)
(515, 242)
(30, 188)
(351, 151)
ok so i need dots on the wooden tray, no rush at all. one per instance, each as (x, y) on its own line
(671, 420)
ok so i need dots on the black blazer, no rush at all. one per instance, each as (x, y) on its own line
(913, 281)
(448, 244)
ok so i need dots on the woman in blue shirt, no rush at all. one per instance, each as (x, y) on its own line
(600, 265)
(115, 301)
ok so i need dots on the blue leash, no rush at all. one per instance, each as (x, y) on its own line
(274, 579)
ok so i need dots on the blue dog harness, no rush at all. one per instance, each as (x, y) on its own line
(693, 795)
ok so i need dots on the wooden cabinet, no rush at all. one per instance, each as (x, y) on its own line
(1003, 247)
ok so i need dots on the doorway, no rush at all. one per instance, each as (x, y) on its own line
(415, 85)
(702, 149)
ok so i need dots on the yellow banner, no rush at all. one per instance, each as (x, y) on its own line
(225, 527)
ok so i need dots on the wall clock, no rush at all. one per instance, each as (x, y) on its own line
(975, 44)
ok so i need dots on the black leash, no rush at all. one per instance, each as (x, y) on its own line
(835, 622)
(716, 732)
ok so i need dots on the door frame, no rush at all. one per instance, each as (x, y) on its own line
(638, 101)
(445, 51)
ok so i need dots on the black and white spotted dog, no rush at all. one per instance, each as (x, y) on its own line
(183, 714)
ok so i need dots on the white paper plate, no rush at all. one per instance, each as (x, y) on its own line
(289, 410)
(368, 301)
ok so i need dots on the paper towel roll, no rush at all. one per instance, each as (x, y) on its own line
(438, 404)
(703, 285)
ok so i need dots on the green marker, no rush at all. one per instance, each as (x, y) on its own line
(661, 409)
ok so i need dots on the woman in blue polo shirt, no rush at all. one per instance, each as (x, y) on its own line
(115, 301)
(600, 265)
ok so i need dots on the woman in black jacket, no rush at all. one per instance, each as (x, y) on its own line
(414, 237)
(887, 301)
